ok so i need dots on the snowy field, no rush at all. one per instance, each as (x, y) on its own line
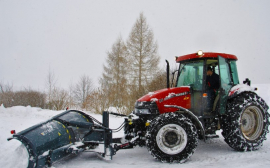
(212, 153)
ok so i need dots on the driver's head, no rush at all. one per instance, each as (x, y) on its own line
(209, 71)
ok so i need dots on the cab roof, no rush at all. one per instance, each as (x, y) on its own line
(201, 54)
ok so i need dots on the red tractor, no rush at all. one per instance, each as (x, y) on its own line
(170, 121)
(207, 97)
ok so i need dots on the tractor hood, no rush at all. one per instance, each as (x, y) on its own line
(155, 101)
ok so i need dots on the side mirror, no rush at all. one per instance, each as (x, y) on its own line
(247, 81)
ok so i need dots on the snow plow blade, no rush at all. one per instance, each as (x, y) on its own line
(58, 137)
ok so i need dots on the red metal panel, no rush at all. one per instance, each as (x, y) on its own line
(205, 55)
(179, 96)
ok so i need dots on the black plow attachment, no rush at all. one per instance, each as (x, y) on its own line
(69, 132)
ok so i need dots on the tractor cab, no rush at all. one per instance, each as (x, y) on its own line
(206, 100)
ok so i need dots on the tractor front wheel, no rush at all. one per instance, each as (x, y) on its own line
(171, 137)
(246, 123)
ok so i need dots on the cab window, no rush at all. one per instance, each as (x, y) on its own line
(234, 72)
(191, 74)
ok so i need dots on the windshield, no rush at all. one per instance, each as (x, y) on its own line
(191, 74)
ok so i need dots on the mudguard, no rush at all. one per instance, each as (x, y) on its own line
(240, 88)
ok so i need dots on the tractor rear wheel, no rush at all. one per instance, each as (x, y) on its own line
(171, 137)
(246, 123)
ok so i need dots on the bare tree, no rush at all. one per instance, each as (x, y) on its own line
(59, 99)
(51, 87)
(96, 101)
(143, 55)
(82, 89)
(6, 94)
(128, 71)
(71, 103)
(6, 87)
(28, 97)
(114, 76)
(159, 81)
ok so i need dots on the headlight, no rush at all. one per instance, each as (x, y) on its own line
(146, 107)
(142, 111)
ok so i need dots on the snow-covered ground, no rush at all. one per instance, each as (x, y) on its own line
(212, 153)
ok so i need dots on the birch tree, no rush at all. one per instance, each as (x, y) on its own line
(82, 89)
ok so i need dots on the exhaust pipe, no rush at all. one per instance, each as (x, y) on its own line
(168, 74)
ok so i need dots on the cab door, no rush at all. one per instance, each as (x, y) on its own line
(225, 83)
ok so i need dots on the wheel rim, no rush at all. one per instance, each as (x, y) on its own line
(252, 123)
(171, 139)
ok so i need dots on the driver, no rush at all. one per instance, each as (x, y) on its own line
(212, 85)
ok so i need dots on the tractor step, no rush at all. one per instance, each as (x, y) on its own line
(211, 136)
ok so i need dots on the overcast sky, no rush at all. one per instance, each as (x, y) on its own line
(72, 37)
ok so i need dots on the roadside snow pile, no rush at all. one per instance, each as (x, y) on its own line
(212, 153)
(13, 153)
(30, 112)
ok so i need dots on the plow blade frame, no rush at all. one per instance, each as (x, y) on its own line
(53, 139)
